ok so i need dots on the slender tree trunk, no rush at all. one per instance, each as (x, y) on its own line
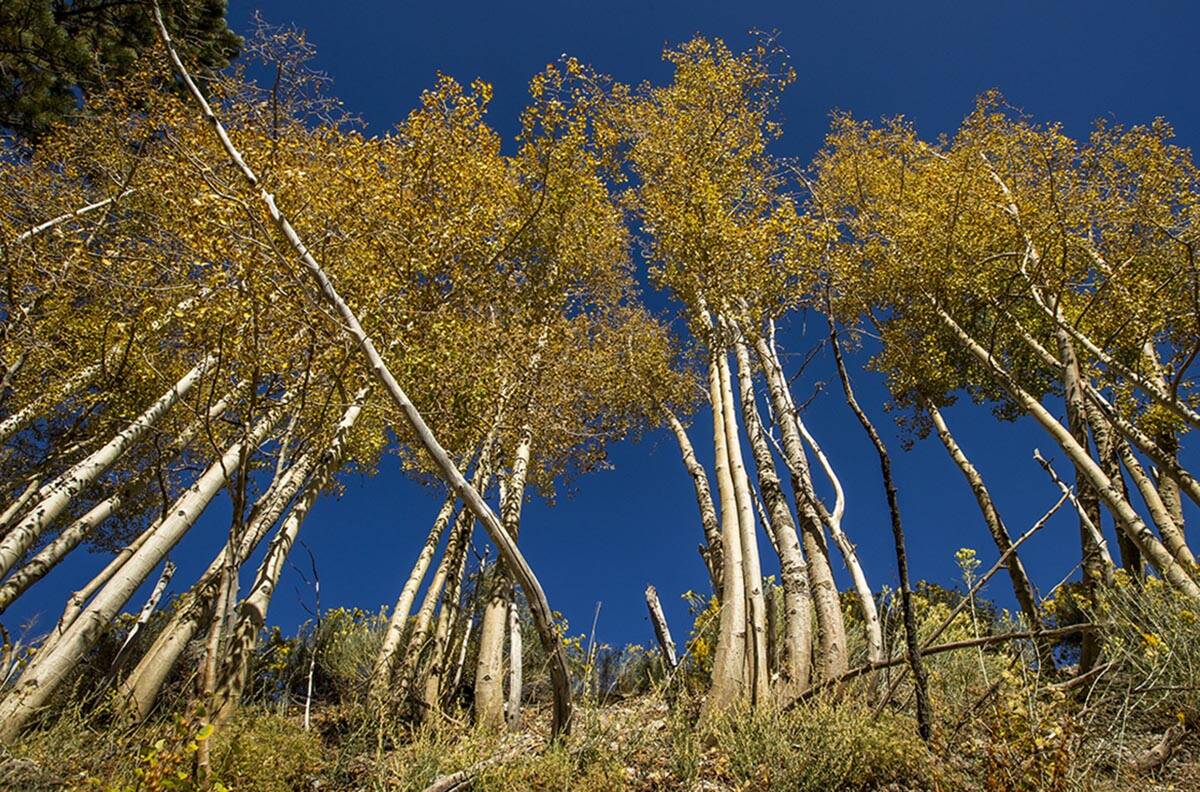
(41, 679)
(662, 632)
(797, 625)
(489, 668)
(512, 712)
(1022, 587)
(1106, 439)
(58, 494)
(49, 557)
(198, 606)
(710, 551)
(1172, 535)
(15, 509)
(433, 673)
(756, 638)
(911, 639)
(385, 659)
(252, 613)
(543, 616)
(1148, 544)
(729, 659)
(832, 660)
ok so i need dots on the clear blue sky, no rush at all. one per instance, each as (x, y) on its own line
(637, 524)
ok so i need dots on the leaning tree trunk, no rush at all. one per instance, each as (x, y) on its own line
(49, 556)
(1148, 544)
(1171, 533)
(41, 678)
(797, 625)
(1022, 587)
(434, 672)
(489, 668)
(140, 689)
(252, 613)
(543, 615)
(1106, 438)
(832, 659)
(385, 659)
(58, 494)
(710, 551)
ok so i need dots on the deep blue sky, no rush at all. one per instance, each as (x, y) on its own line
(637, 524)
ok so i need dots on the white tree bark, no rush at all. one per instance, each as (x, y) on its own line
(41, 678)
(543, 615)
(57, 495)
(662, 633)
(710, 551)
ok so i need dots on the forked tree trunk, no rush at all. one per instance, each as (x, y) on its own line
(55, 496)
(797, 626)
(831, 660)
(756, 636)
(41, 678)
(543, 616)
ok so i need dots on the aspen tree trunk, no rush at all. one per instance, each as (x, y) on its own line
(1167, 440)
(512, 712)
(1094, 569)
(729, 658)
(448, 613)
(1154, 551)
(138, 691)
(662, 633)
(15, 509)
(252, 613)
(1106, 438)
(866, 600)
(797, 626)
(464, 637)
(1022, 587)
(751, 565)
(489, 668)
(831, 660)
(385, 659)
(41, 679)
(1160, 514)
(55, 496)
(40, 565)
(1168, 464)
(160, 588)
(911, 639)
(411, 681)
(543, 616)
(710, 551)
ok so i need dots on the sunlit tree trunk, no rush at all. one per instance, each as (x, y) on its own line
(1022, 587)
(252, 612)
(543, 616)
(1172, 537)
(711, 550)
(385, 660)
(41, 679)
(55, 496)
(756, 646)
(489, 667)
(1150, 546)
(48, 557)
(797, 625)
(729, 658)
(832, 659)
(512, 712)
(197, 607)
